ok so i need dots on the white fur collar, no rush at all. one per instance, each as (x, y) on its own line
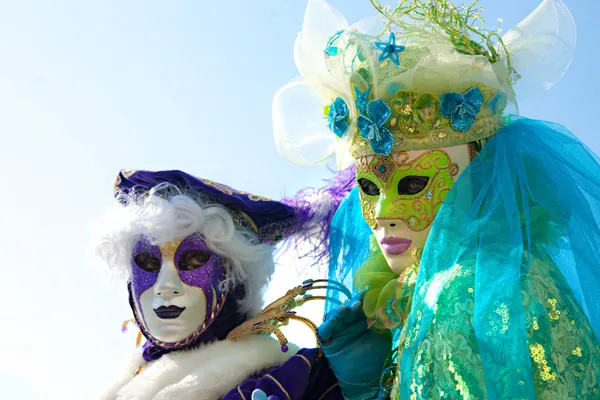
(205, 373)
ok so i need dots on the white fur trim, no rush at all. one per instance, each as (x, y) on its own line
(205, 373)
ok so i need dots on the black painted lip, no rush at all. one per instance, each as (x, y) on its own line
(170, 312)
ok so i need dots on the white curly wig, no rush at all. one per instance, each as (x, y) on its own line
(166, 214)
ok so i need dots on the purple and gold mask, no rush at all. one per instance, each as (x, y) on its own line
(176, 289)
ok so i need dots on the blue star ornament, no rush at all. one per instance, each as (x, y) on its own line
(390, 50)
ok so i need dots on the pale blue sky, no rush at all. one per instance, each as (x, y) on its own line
(90, 87)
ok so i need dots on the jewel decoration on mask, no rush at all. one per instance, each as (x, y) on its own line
(362, 99)
(417, 211)
(373, 128)
(390, 50)
(383, 167)
(461, 109)
(337, 116)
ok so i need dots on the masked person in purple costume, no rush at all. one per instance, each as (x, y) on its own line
(197, 256)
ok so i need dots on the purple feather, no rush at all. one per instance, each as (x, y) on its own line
(315, 209)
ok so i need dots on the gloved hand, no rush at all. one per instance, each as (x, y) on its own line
(355, 354)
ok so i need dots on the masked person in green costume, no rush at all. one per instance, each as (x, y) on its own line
(472, 236)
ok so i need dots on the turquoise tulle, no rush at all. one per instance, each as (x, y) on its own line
(532, 195)
(349, 244)
(533, 191)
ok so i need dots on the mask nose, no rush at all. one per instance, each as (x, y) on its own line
(388, 222)
(166, 292)
(168, 284)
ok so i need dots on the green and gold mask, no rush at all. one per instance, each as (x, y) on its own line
(395, 187)
(401, 195)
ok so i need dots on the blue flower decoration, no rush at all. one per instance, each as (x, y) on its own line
(373, 129)
(461, 109)
(338, 117)
(362, 98)
(390, 50)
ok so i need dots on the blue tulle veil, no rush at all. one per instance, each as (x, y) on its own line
(532, 192)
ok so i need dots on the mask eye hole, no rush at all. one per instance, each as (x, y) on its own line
(368, 187)
(190, 260)
(147, 261)
(411, 185)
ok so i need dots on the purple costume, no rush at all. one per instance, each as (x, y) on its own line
(303, 376)
(199, 268)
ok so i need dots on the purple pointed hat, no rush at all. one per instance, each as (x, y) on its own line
(272, 221)
(305, 218)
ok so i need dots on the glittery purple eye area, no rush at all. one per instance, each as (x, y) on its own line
(190, 243)
(142, 280)
(206, 276)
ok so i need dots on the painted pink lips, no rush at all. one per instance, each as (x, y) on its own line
(395, 246)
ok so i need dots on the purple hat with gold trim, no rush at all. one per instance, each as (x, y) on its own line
(271, 221)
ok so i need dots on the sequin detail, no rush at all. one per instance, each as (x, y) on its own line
(564, 352)
(417, 112)
(168, 249)
(393, 312)
(417, 123)
(418, 211)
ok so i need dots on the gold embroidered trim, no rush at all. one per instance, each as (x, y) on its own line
(250, 220)
(305, 359)
(280, 386)
(241, 394)
(327, 391)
